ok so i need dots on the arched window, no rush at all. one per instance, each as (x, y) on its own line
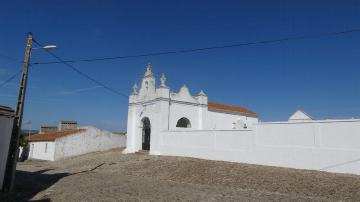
(183, 123)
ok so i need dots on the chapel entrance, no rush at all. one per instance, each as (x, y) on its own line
(146, 131)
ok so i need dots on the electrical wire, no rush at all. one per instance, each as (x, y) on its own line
(82, 73)
(302, 37)
(10, 78)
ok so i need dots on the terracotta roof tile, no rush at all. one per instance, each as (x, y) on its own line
(223, 107)
(53, 136)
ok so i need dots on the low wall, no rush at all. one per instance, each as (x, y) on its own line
(332, 146)
(91, 140)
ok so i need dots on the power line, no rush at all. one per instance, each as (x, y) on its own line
(10, 78)
(12, 60)
(302, 37)
(82, 73)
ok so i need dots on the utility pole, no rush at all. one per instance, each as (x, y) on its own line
(13, 154)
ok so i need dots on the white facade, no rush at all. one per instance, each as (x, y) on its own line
(6, 125)
(215, 134)
(155, 109)
(90, 140)
(224, 121)
(43, 150)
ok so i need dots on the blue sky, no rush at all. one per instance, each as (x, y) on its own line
(320, 74)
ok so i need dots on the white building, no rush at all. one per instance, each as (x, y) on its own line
(179, 124)
(71, 142)
(154, 109)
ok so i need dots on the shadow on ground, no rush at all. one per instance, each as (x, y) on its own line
(28, 184)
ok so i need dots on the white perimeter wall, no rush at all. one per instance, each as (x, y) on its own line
(6, 124)
(91, 140)
(42, 150)
(332, 146)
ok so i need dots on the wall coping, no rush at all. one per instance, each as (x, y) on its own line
(307, 122)
(229, 130)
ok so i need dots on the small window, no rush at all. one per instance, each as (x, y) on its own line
(241, 124)
(46, 145)
(183, 123)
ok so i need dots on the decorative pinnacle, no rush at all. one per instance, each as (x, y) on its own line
(148, 66)
(202, 93)
(148, 70)
(135, 88)
(162, 80)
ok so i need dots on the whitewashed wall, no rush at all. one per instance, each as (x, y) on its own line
(164, 108)
(163, 116)
(91, 140)
(224, 121)
(157, 112)
(42, 150)
(178, 111)
(332, 146)
(6, 123)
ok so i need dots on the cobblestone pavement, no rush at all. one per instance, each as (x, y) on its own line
(112, 176)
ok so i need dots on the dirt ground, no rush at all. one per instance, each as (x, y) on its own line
(112, 176)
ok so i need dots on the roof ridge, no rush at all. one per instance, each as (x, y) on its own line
(54, 135)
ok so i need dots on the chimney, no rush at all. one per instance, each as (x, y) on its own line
(48, 129)
(67, 125)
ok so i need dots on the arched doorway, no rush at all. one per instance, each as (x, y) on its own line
(146, 131)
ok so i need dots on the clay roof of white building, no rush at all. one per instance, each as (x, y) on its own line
(222, 107)
(52, 136)
(119, 133)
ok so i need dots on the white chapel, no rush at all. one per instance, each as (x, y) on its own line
(153, 109)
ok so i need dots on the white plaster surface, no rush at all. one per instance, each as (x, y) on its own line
(299, 115)
(330, 145)
(319, 145)
(164, 108)
(43, 150)
(90, 140)
(223, 121)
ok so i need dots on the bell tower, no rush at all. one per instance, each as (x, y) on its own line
(147, 89)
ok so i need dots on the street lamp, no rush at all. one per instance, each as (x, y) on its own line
(46, 47)
(14, 141)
